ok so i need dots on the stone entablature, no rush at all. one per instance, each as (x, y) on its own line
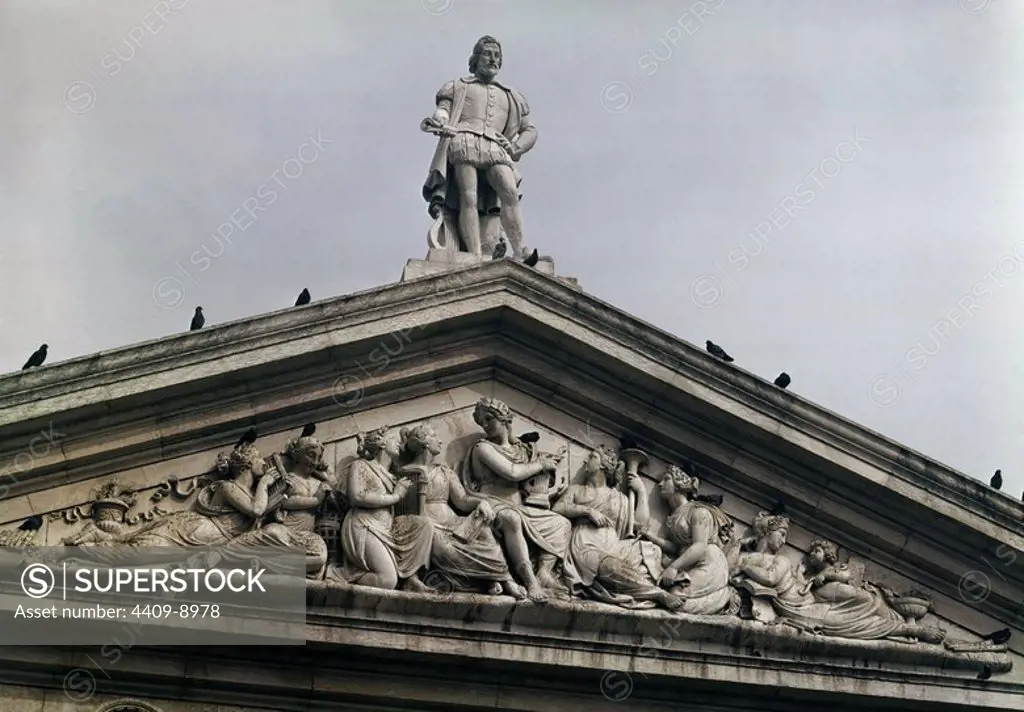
(580, 375)
(741, 579)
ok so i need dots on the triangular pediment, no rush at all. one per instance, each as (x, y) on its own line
(579, 373)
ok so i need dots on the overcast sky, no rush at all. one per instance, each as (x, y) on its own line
(832, 189)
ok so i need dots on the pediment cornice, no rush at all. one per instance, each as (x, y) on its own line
(193, 392)
(497, 297)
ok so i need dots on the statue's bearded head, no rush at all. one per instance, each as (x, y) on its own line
(486, 58)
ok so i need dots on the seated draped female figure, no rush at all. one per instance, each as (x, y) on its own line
(462, 549)
(697, 569)
(306, 474)
(614, 569)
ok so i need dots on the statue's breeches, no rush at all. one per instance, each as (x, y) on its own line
(477, 151)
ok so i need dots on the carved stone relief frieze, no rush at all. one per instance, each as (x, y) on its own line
(506, 517)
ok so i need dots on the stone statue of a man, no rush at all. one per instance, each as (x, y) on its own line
(483, 127)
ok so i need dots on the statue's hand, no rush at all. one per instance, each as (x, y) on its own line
(551, 462)
(598, 519)
(507, 145)
(402, 487)
(432, 125)
(634, 484)
(650, 536)
(486, 512)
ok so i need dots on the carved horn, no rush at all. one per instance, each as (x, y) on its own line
(634, 458)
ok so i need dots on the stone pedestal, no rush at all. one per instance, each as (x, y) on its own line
(441, 260)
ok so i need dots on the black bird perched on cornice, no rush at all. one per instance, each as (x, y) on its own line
(997, 480)
(37, 358)
(33, 523)
(533, 259)
(307, 430)
(530, 437)
(500, 249)
(998, 637)
(717, 351)
(303, 298)
(783, 380)
(692, 469)
(248, 438)
(197, 320)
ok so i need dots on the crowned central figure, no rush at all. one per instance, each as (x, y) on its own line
(495, 466)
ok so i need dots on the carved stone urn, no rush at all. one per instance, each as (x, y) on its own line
(913, 606)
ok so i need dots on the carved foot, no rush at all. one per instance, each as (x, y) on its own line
(511, 588)
(547, 580)
(550, 583)
(414, 584)
(672, 603)
(928, 634)
(536, 593)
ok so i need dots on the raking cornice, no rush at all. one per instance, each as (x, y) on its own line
(324, 326)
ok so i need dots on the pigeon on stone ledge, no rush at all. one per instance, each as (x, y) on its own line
(31, 524)
(783, 380)
(37, 358)
(197, 320)
(307, 430)
(500, 249)
(248, 438)
(998, 637)
(717, 351)
(530, 437)
(997, 480)
(303, 298)
(533, 259)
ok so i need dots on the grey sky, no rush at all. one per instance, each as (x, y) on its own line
(647, 190)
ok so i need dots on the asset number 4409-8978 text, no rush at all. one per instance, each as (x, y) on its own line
(193, 610)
